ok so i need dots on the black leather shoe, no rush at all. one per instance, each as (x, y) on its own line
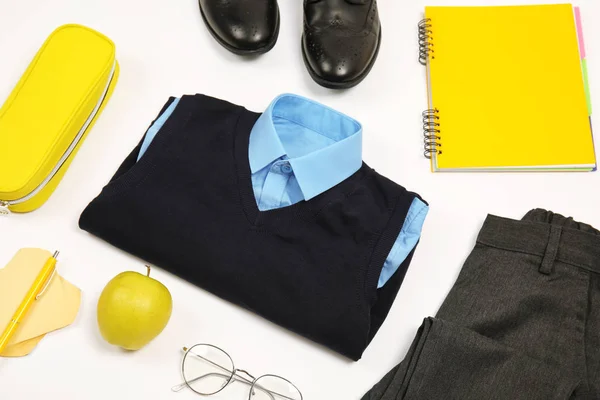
(244, 27)
(340, 41)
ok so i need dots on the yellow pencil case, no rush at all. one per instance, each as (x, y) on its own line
(49, 113)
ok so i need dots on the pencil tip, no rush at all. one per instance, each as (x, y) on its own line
(55, 254)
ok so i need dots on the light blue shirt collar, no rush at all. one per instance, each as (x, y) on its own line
(323, 146)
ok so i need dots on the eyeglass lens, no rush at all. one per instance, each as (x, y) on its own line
(270, 387)
(207, 369)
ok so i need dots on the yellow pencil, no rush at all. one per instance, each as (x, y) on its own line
(37, 289)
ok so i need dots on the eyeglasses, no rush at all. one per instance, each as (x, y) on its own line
(207, 370)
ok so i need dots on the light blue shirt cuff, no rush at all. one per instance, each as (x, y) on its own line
(406, 241)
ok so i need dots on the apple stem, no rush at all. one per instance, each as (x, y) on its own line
(148, 273)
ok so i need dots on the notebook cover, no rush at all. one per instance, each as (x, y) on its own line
(507, 82)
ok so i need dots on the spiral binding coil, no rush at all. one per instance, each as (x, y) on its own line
(432, 132)
(425, 41)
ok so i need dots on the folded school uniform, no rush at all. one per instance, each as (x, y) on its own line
(275, 212)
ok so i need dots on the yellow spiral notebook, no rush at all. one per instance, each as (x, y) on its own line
(506, 88)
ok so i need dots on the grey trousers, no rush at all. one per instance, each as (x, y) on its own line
(522, 321)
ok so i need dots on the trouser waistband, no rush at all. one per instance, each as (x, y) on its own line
(548, 235)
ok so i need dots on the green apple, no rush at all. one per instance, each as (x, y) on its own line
(133, 309)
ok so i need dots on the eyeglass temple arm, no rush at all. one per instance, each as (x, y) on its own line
(235, 377)
(181, 386)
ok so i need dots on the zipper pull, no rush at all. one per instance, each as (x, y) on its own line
(4, 208)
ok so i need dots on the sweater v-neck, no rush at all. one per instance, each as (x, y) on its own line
(133, 172)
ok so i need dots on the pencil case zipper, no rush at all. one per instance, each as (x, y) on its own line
(5, 204)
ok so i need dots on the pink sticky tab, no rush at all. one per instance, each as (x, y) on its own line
(580, 32)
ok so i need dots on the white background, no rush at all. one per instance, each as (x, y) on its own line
(164, 49)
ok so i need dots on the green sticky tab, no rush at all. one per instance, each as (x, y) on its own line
(587, 86)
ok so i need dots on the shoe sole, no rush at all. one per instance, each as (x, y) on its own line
(340, 85)
(241, 52)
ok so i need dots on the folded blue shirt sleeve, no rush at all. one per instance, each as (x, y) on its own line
(406, 241)
(156, 126)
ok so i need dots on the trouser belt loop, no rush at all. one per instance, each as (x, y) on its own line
(547, 266)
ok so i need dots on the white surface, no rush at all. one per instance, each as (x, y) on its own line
(164, 49)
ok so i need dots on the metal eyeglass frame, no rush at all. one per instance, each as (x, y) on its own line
(231, 376)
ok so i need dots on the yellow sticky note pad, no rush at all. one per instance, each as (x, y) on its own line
(55, 309)
(23, 348)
